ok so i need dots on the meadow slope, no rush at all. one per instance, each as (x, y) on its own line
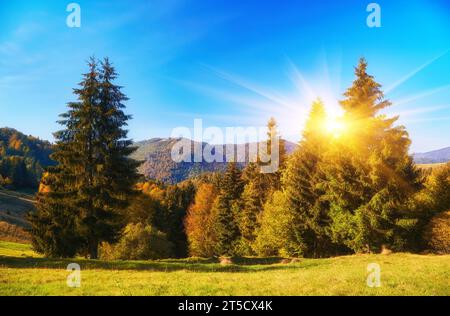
(24, 273)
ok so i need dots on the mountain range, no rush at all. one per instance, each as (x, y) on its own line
(158, 163)
(435, 156)
(154, 153)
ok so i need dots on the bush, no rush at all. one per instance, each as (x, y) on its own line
(13, 233)
(139, 242)
(437, 233)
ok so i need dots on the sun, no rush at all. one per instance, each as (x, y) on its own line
(335, 126)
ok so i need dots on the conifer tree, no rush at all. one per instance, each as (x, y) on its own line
(258, 188)
(94, 178)
(250, 206)
(370, 175)
(301, 185)
(225, 210)
(274, 179)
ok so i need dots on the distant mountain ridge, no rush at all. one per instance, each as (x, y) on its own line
(158, 164)
(435, 156)
(155, 154)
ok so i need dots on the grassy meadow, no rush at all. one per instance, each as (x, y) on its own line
(22, 272)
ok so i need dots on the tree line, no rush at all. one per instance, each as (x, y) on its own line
(359, 191)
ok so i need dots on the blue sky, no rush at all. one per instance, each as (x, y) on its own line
(231, 63)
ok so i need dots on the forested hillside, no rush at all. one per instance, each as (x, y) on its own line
(158, 164)
(22, 159)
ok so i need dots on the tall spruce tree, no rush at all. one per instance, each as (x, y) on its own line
(273, 179)
(370, 175)
(225, 210)
(301, 186)
(250, 206)
(94, 178)
(258, 189)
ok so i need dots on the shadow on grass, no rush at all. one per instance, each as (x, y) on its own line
(192, 264)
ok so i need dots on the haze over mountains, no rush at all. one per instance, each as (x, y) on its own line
(435, 156)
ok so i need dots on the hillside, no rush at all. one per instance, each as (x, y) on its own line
(22, 159)
(14, 206)
(435, 156)
(158, 164)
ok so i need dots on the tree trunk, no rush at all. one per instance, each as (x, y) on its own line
(93, 249)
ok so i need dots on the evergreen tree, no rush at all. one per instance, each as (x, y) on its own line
(94, 177)
(176, 202)
(370, 176)
(250, 206)
(274, 179)
(225, 210)
(301, 185)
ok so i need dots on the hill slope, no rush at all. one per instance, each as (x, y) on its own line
(435, 156)
(22, 159)
(158, 163)
(14, 206)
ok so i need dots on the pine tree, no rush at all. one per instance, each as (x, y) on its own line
(94, 178)
(225, 210)
(274, 179)
(301, 185)
(370, 175)
(177, 200)
(250, 206)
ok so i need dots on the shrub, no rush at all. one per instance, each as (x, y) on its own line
(437, 233)
(13, 233)
(139, 242)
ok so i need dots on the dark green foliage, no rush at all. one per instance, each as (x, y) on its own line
(177, 199)
(94, 178)
(226, 210)
(301, 183)
(250, 206)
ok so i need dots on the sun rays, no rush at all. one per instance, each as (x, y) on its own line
(290, 105)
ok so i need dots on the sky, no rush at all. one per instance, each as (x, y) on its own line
(228, 62)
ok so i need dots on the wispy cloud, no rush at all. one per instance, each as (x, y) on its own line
(264, 92)
(402, 80)
(420, 110)
(421, 95)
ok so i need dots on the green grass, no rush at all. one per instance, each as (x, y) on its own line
(401, 274)
(12, 249)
